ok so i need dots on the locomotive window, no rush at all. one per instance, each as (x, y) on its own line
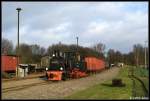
(56, 65)
(54, 62)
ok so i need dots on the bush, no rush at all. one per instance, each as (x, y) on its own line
(142, 72)
(6, 75)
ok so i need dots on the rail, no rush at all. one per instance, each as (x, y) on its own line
(136, 78)
(18, 79)
(143, 85)
(20, 87)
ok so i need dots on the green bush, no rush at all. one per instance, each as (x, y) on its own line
(141, 72)
(6, 75)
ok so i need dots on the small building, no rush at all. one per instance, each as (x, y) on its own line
(120, 64)
(112, 65)
(45, 61)
(35, 68)
(22, 70)
(32, 68)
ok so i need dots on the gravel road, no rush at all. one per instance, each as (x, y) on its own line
(54, 90)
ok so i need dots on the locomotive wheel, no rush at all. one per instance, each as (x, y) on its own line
(64, 77)
(46, 76)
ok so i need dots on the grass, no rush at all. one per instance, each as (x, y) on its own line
(139, 92)
(142, 74)
(105, 91)
(146, 82)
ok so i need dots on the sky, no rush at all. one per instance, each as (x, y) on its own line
(118, 25)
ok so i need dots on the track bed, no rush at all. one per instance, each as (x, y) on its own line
(39, 88)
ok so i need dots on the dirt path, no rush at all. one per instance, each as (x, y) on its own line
(59, 90)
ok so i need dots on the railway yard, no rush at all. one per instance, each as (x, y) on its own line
(68, 52)
(40, 88)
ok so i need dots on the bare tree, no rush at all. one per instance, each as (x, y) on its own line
(111, 56)
(35, 49)
(25, 53)
(119, 57)
(100, 47)
(7, 46)
(139, 52)
(42, 51)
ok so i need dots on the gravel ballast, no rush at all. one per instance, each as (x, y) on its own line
(55, 90)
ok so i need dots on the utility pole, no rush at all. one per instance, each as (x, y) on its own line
(145, 55)
(77, 43)
(137, 57)
(18, 10)
(77, 53)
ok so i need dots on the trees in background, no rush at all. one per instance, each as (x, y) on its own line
(114, 57)
(30, 53)
(34, 53)
(128, 58)
(111, 56)
(83, 51)
(37, 53)
(99, 48)
(6, 46)
(59, 46)
(135, 57)
(139, 54)
(25, 53)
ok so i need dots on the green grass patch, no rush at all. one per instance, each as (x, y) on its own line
(145, 81)
(143, 75)
(141, 72)
(105, 91)
(139, 92)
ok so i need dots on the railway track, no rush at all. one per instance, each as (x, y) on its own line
(18, 79)
(20, 87)
(133, 77)
(25, 86)
(136, 78)
(42, 89)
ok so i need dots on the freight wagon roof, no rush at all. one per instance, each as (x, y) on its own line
(8, 55)
(94, 57)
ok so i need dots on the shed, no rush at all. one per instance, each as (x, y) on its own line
(120, 64)
(45, 61)
(22, 70)
(31, 68)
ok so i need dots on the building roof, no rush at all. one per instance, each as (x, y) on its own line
(23, 66)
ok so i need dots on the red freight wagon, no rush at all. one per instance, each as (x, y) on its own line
(9, 63)
(94, 64)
